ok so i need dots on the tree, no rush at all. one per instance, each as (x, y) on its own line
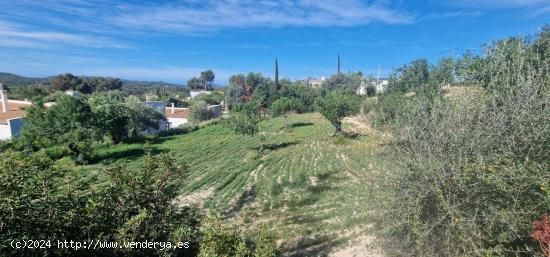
(246, 120)
(335, 105)
(110, 117)
(41, 200)
(283, 107)
(199, 111)
(241, 88)
(411, 76)
(141, 117)
(349, 82)
(276, 76)
(66, 81)
(65, 126)
(194, 83)
(338, 68)
(207, 79)
(371, 90)
(216, 97)
(99, 84)
(443, 72)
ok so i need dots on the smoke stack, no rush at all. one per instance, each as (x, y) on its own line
(4, 98)
(146, 98)
(173, 108)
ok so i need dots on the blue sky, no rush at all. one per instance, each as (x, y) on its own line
(174, 40)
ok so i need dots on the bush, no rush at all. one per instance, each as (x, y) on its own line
(371, 90)
(199, 111)
(46, 202)
(471, 175)
(220, 240)
(335, 105)
(369, 104)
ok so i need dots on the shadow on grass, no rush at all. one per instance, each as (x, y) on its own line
(300, 124)
(320, 245)
(126, 154)
(248, 196)
(273, 147)
(351, 135)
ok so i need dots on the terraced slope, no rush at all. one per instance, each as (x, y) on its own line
(312, 189)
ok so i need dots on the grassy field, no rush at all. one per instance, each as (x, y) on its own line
(310, 188)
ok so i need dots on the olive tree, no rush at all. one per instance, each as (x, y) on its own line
(283, 107)
(335, 105)
(246, 121)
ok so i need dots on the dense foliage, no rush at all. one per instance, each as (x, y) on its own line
(204, 82)
(335, 105)
(471, 164)
(73, 124)
(199, 111)
(285, 106)
(50, 203)
(85, 85)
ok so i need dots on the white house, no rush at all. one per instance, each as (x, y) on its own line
(11, 116)
(315, 83)
(380, 86)
(176, 116)
(195, 93)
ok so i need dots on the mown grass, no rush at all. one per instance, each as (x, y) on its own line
(312, 189)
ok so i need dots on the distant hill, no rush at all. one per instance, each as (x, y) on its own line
(13, 79)
(10, 79)
(150, 83)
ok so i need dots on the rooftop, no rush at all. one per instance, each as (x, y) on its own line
(178, 112)
(16, 109)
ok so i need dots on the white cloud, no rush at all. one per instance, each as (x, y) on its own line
(494, 4)
(18, 36)
(211, 15)
(189, 16)
(452, 14)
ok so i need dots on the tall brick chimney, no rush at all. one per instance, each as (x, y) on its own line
(173, 108)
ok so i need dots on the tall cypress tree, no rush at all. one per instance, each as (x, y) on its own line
(338, 63)
(276, 75)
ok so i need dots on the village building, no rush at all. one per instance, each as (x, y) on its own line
(315, 83)
(195, 93)
(176, 116)
(11, 116)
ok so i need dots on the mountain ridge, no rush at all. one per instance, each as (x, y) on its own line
(11, 79)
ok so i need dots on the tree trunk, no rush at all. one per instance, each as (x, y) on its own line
(260, 138)
(338, 128)
(286, 121)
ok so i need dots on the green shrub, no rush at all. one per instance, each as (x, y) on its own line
(47, 202)
(335, 105)
(368, 105)
(468, 177)
(371, 90)
(199, 111)
(219, 240)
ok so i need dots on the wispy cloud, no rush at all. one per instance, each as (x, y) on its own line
(212, 15)
(191, 16)
(18, 36)
(450, 14)
(492, 4)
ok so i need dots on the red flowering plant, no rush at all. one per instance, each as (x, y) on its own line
(541, 233)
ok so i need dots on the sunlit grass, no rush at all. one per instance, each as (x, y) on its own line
(308, 186)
